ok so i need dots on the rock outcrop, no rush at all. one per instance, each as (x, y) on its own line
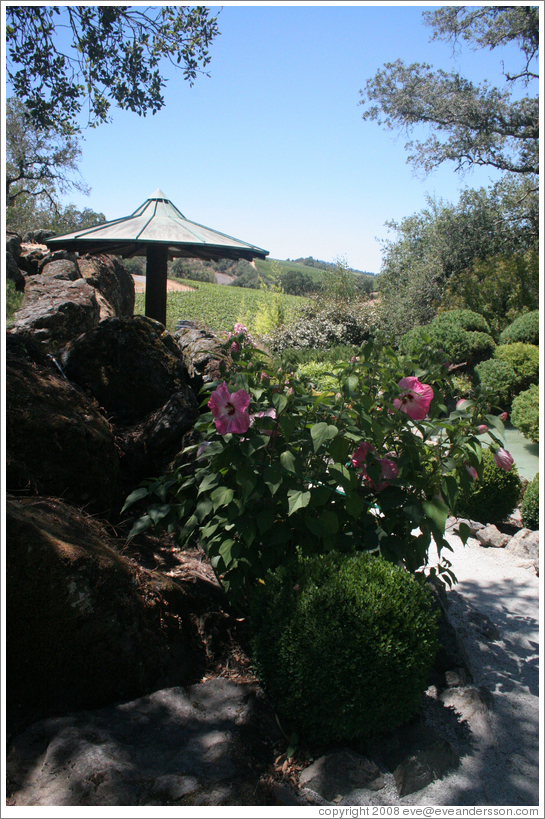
(57, 440)
(85, 625)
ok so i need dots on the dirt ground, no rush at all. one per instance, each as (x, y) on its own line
(140, 285)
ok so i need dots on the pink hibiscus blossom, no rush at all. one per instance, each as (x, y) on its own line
(504, 416)
(230, 410)
(503, 459)
(268, 413)
(414, 399)
(482, 428)
(388, 469)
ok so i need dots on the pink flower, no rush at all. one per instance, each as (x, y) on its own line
(235, 347)
(482, 428)
(472, 471)
(239, 328)
(504, 416)
(230, 411)
(268, 413)
(361, 453)
(503, 459)
(415, 398)
(264, 376)
(388, 469)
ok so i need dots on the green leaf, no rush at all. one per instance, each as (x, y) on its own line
(322, 432)
(339, 449)
(137, 495)
(450, 490)
(279, 400)
(225, 552)
(265, 519)
(210, 481)
(221, 497)
(157, 513)
(297, 499)
(288, 424)
(354, 505)
(437, 511)
(272, 478)
(141, 525)
(463, 531)
(204, 508)
(329, 522)
(287, 460)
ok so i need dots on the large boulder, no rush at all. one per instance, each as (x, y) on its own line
(85, 625)
(131, 365)
(111, 279)
(57, 441)
(149, 447)
(55, 311)
(202, 352)
(61, 269)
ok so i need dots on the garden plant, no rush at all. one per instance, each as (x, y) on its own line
(376, 466)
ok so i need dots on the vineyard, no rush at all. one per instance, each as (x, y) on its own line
(218, 307)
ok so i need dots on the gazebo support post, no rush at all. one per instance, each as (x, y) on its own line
(156, 282)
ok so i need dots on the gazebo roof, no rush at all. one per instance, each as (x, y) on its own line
(157, 222)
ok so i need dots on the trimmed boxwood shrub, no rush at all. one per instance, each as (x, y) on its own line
(524, 359)
(343, 645)
(466, 319)
(493, 497)
(481, 346)
(497, 379)
(524, 328)
(530, 505)
(525, 413)
(452, 339)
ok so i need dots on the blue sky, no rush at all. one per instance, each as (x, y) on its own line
(272, 147)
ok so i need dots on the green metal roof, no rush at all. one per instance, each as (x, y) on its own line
(157, 222)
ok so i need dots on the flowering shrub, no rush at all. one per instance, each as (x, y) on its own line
(327, 322)
(282, 471)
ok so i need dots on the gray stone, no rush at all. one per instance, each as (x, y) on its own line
(62, 269)
(175, 744)
(490, 536)
(425, 766)
(483, 624)
(525, 542)
(339, 773)
(55, 311)
(473, 704)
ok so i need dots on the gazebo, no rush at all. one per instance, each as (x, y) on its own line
(158, 231)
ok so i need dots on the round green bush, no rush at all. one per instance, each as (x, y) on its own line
(497, 379)
(525, 413)
(466, 319)
(524, 359)
(493, 497)
(343, 645)
(452, 339)
(530, 505)
(524, 328)
(481, 346)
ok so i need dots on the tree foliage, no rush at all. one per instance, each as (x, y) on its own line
(62, 58)
(471, 124)
(41, 164)
(429, 262)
